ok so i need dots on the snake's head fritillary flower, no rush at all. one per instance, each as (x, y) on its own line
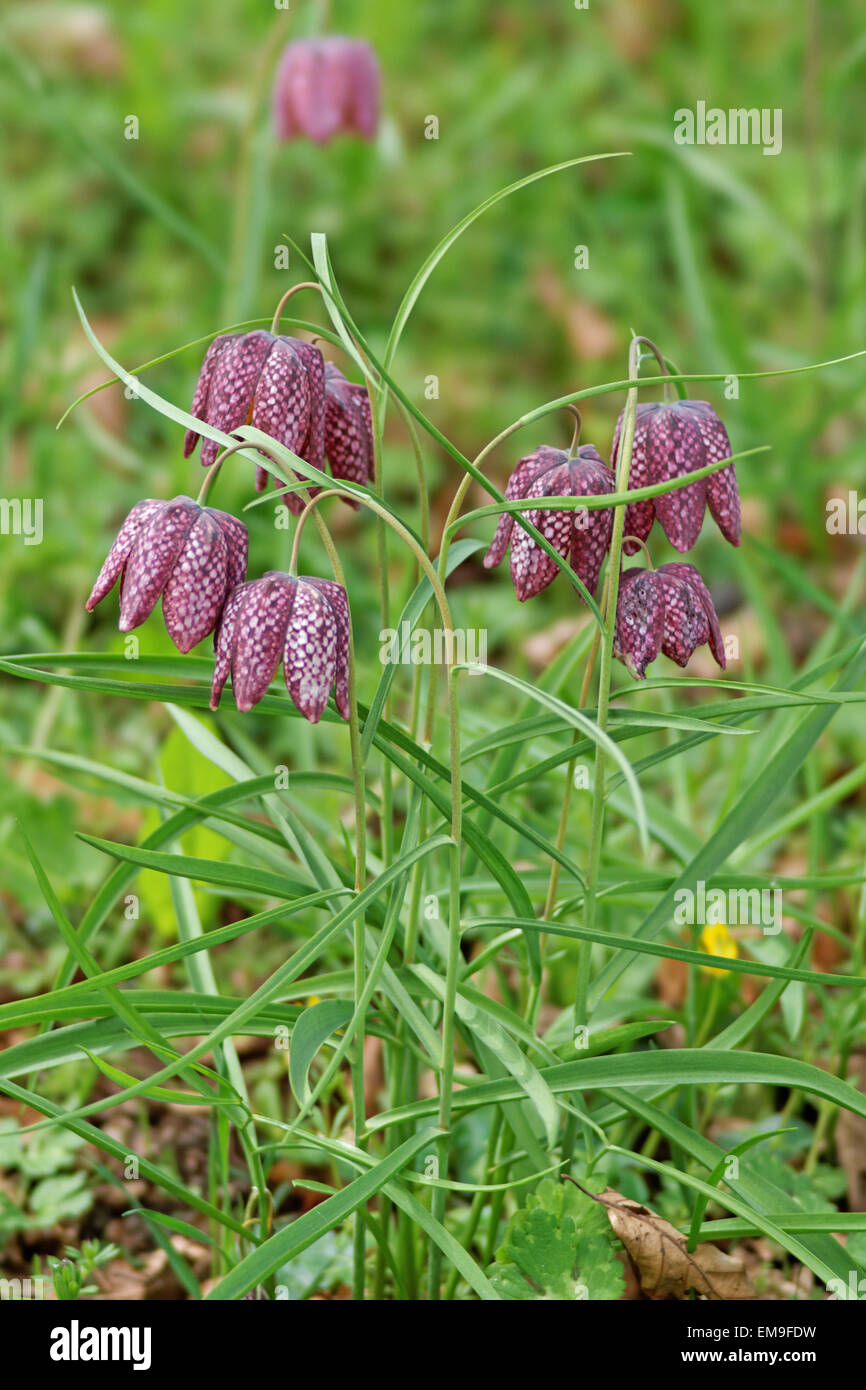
(580, 535)
(667, 610)
(670, 441)
(193, 556)
(274, 383)
(326, 87)
(348, 428)
(301, 622)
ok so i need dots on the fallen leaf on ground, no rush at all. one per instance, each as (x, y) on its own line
(665, 1267)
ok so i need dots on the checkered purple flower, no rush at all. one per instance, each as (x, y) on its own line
(669, 442)
(348, 428)
(326, 87)
(193, 556)
(303, 623)
(581, 536)
(667, 610)
(276, 384)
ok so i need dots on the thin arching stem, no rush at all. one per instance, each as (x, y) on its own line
(578, 425)
(211, 474)
(669, 389)
(302, 285)
(636, 540)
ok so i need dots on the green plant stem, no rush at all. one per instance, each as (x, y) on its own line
(359, 1117)
(479, 1199)
(611, 594)
(609, 603)
(553, 882)
(212, 473)
(446, 1083)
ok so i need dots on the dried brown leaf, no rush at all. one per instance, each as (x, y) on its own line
(665, 1267)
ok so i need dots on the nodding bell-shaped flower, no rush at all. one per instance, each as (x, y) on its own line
(667, 610)
(671, 440)
(303, 623)
(581, 536)
(193, 556)
(326, 87)
(348, 428)
(274, 383)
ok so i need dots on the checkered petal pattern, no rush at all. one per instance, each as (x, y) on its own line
(668, 610)
(276, 384)
(521, 479)
(671, 441)
(640, 621)
(191, 556)
(348, 429)
(580, 536)
(302, 622)
(723, 496)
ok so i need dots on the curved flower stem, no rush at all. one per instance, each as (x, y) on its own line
(670, 393)
(302, 285)
(446, 1085)
(211, 474)
(578, 426)
(636, 540)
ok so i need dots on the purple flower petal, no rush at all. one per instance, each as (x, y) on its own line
(640, 621)
(362, 396)
(119, 552)
(591, 530)
(282, 401)
(689, 575)
(312, 89)
(259, 635)
(199, 407)
(225, 640)
(348, 429)
(723, 495)
(532, 569)
(237, 544)
(233, 386)
(312, 448)
(674, 448)
(582, 537)
(325, 86)
(685, 622)
(282, 405)
(310, 655)
(527, 470)
(338, 599)
(195, 590)
(152, 558)
(364, 89)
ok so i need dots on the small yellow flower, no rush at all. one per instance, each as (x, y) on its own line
(716, 940)
(315, 999)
